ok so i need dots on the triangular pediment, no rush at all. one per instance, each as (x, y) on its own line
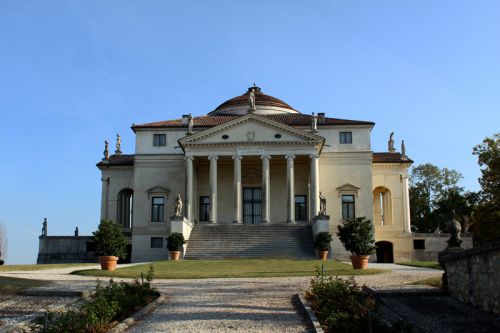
(348, 187)
(158, 189)
(251, 129)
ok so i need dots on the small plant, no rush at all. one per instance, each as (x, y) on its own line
(357, 236)
(322, 241)
(110, 240)
(175, 241)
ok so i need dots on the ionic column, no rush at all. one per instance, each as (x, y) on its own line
(237, 188)
(213, 188)
(314, 185)
(290, 180)
(189, 187)
(406, 204)
(266, 190)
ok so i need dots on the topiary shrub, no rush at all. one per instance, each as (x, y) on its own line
(175, 241)
(358, 236)
(322, 241)
(110, 240)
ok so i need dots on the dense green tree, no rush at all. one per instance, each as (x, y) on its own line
(486, 216)
(434, 194)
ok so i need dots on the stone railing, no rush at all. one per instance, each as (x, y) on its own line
(473, 276)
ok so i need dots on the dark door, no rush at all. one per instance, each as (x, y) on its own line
(252, 205)
(384, 252)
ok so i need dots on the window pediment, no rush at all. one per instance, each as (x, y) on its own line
(348, 189)
(158, 189)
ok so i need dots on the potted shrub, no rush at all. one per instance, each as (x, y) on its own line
(358, 237)
(111, 244)
(322, 243)
(175, 244)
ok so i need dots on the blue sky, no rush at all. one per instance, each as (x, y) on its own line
(73, 73)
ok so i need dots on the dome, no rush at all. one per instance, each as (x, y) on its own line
(264, 104)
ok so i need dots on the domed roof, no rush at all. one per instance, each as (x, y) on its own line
(264, 104)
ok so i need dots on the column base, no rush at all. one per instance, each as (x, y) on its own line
(266, 222)
(237, 222)
(212, 222)
(290, 221)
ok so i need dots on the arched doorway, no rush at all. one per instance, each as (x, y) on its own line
(384, 252)
(382, 206)
(124, 208)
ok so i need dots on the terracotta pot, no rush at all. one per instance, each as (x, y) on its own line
(359, 262)
(175, 255)
(108, 263)
(322, 254)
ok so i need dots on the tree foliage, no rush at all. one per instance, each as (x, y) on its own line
(434, 194)
(110, 240)
(358, 236)
(486, 216)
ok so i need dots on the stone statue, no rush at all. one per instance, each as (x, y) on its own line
(322, 204)
(314, 123)
(403, 150)
(44, 227)
(390, 144)
(178, 206)
(106, 150)
(455, 229)
(251, 99)
(118, 144)
(76, 232)
(190, 124)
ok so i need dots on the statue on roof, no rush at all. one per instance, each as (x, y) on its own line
(251, 99)
(118, 144)
(106, 150)
(190, 124)
(314, 123)
(403, 150)
(390, 143)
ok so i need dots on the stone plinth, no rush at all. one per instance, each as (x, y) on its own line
(183, 226)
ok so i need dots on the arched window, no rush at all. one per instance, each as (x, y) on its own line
(124, 208)
(382, 206)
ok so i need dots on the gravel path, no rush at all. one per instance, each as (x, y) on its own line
(223, 305)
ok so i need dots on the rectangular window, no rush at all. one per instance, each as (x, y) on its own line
(204, 208)
(419, 244)
(157, 209)
(156, 242)
(300, 208)
(345, 137)
(348, 207)
(159, 139)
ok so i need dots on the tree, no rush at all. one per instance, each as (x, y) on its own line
(431, 193)
(486, 216)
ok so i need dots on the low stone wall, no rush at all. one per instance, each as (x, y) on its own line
(474, 276)
(435, 243)
(66, 249)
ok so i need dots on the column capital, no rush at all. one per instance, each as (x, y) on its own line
(189, 158)
(314, 156)
(237, 157)
(268, 157)
(290, 156)
(213, 157)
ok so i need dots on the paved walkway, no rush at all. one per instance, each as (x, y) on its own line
(236, 305)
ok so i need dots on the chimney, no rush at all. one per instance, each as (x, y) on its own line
(321, 118)
(184, 120)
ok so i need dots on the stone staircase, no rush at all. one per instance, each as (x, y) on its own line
(218, 241)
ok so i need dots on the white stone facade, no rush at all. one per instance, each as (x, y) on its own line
(275, 150)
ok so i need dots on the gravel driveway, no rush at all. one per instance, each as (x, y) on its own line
(223, 305)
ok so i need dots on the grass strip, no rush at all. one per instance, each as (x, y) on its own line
(235, 268)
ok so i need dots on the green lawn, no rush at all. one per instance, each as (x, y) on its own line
(10, 286)
(196, 269)
(10, 268)
(427, 264)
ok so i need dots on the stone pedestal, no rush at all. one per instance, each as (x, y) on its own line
(441, 255)
(183, 226)
(320, 223)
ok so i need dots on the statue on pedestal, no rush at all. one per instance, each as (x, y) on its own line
(322, 204)
(178, 206)
(314, 123)
(106, 150)
(190, 124)
(44, 227)
(251, 99)
(455, 228)
(390, 143)
(76, 232)
(403, 150)
(118, 144)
